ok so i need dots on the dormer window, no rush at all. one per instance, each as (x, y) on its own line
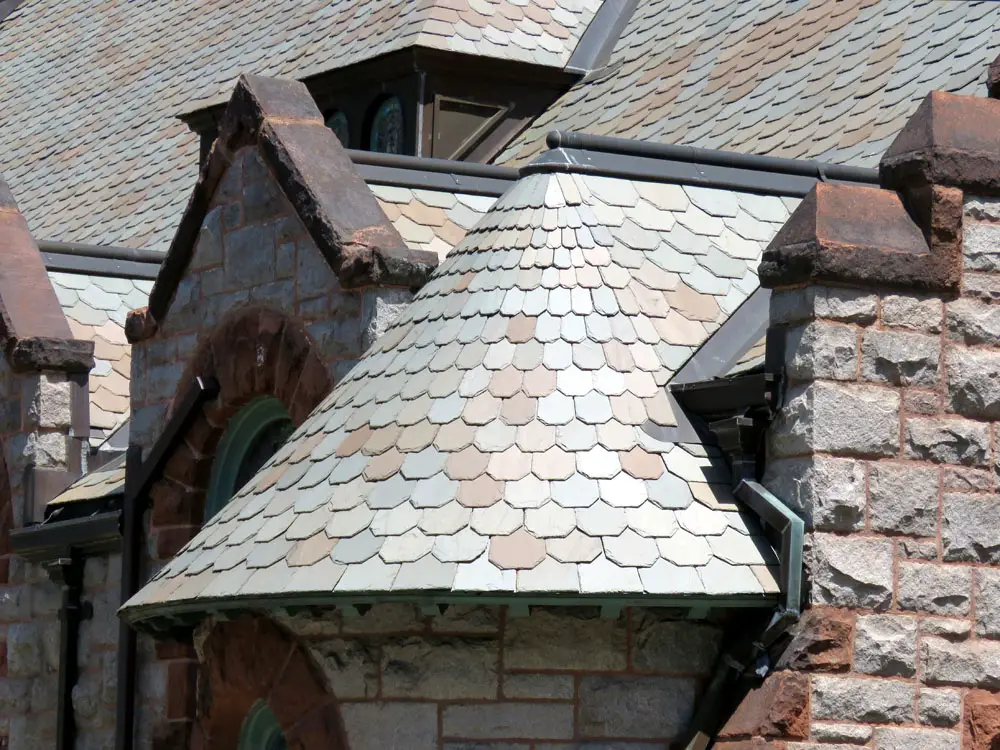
(385, 134)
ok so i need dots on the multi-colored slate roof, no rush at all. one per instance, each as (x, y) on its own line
(433, 220)
(96, 307)
(502, 435)
(89, 136)
(107, 481)
(817, 79)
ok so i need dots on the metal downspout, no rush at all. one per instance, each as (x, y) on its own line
(709, 713)
(67, 572)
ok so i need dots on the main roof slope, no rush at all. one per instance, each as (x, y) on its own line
(500, 436)
(833, 80)
(90, 92)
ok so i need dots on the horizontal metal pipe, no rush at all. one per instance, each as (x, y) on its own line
(805, 168)
(101, 251)
(428, 164)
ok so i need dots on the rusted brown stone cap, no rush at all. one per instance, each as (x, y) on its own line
(33, 329)
(950, 140)
(861, 236)
(343, 217)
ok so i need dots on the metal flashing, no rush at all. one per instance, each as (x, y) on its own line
(598, 42)
(100, 260)
(686, 165)
(732, 340)
(160, 617)
(98, 532)
(433, 174)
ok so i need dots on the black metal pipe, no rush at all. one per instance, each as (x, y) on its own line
(774, 164)
(134, 254)
(67, 572)
(430, 164)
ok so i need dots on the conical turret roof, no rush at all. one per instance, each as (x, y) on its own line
(504, 436)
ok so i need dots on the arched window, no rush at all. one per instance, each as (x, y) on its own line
(252, 437)
(337, 122)
(386, 132)
(261, 730)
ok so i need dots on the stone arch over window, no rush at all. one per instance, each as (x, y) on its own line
(249, 663)
(255, 352)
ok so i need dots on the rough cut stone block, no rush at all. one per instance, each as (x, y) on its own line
(565, 639)
(953, 630)
(916, 739)
(835, 418)
(24, 649)
(852, 572)
(829, 493)
(845, 305)
(973, 385)
(542, 721)
(981, 246)
(350, 665)
(969, 663)
(535, 686)
(982, 208)
(864, 700)
(626, 706)
(821, 641)
(904, 498)
(821, 350)
(380, 308)
(850, 734)
(988, 602)
(982, 285)
(777, 708)
(886, 645)
(939, 589)
(918, 401)
(973, 321)
(208, 249)
(390, 726)
(48, 398)
(918, 549)
(250, 256)
(970, 528)
(939, 707)
(967, 480)
(900, 358)
(440, 668)
(918, 312)
(673, 646)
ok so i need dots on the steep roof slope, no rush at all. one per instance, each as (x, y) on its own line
(832, 80)
(510, 432)
(90, 92)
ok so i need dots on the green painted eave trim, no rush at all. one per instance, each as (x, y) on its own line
(168, 615)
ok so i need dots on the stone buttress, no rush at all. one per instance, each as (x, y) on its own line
(885, 312)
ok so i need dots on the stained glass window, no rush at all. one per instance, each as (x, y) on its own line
(386, 135)
(337, 122)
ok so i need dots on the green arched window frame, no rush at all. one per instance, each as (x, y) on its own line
(264, 417)
(261, 730)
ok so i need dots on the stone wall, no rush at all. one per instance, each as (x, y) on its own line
(258, 308)
(482, 677)
(252, 249)
(35, 416)
(887, 445)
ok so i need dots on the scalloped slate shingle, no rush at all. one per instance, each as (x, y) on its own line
(89, 135)
(816, 79)
(493, 439)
